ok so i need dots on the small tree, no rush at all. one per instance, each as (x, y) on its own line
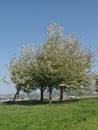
(20, 70)
(76, 63)
(51, 51)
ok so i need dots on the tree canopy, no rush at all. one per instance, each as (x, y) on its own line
(59, 62)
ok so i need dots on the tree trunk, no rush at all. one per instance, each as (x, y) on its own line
(61, 94)
(41, 95)
(42, 89)
(16, 95)
(50, 94)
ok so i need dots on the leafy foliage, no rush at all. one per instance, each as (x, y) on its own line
(58, 63)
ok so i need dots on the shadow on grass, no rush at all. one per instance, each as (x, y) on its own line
(38, 102)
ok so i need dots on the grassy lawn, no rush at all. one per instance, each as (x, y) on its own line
(71, 114)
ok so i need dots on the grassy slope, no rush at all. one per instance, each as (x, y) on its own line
(69, 115)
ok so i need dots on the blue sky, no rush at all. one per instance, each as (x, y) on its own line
(26, 22)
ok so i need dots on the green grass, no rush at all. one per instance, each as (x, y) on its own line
(80, 114)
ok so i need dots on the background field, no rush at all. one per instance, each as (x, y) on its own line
(73, 114)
